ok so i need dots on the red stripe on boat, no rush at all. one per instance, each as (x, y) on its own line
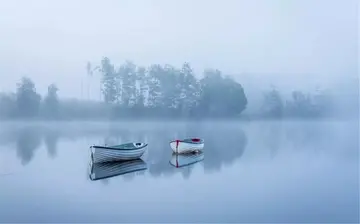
(195, 139)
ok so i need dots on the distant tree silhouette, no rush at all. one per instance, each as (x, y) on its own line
(273, 105)
(162, 92)
(51, 102)
(27, 99)
(7, 105)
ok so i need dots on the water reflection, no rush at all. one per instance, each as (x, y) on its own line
(100, 171)
(181, 160)
(185, 163)
(224, 143)
(271, 135)
(219, 149)
(28, 139)
(306, 135)
(68, 192)
(51, 139)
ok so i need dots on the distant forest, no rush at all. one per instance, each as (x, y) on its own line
(158, 92)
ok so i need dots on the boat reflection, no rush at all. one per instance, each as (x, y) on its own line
(111, 169)
(181, 160)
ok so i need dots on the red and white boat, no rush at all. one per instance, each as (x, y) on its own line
(187, 145)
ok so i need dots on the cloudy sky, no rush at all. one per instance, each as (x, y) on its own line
(51, 40)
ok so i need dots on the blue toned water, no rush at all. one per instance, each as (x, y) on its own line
(289, 171)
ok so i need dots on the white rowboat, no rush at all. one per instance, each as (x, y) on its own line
(187, 145)
(128, 151)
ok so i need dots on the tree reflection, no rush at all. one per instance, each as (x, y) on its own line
(51, 138)
(271, 134)
(223, 145)
(305, 135)
(28, 140)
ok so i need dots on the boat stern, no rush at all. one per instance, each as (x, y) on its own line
(175, 145)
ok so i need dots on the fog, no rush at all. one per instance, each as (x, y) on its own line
(271, 86)
(289, 44)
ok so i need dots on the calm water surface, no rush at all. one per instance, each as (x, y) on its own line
(252, 172)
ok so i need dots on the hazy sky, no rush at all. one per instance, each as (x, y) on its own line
(51, 41)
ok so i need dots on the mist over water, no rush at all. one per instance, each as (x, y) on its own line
(269, 171)
(271, 86)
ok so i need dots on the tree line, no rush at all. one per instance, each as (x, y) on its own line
(299, 104)
(157, 91)
(164, 90)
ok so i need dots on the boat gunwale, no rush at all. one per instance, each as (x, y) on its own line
(188, 140)
(120, 149)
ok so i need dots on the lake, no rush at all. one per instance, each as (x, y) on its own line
(268, 171)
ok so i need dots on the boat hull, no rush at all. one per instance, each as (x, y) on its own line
(186, 147)
(110, 169)
(181, 160)
(100, 155)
